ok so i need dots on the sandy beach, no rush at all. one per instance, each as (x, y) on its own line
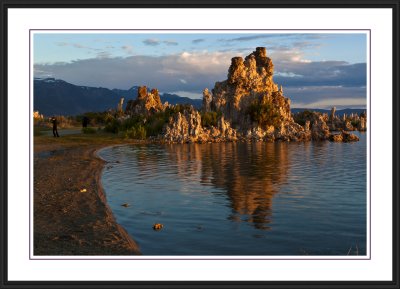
(71, 215)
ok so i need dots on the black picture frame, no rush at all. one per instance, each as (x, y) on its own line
(4, 160)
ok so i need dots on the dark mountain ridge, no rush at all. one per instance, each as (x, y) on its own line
(58, 97)
(338, 112)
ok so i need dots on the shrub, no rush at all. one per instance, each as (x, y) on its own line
(303, 116)
(131, 122)
(355, 123)
(209, 119)
(264, 114)
(95, 118)
(138, 132)
(112, 126)
(155, 126)
(88, 130)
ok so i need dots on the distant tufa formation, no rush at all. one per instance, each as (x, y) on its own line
(249, 83)
(146, 103)
(248, 105)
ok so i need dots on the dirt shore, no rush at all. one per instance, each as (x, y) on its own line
(67, 219)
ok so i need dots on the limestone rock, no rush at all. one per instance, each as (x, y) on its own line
(146, 103)
(184, 127)
(348, 126)
(336, 137)
(249, 86)
(332, 115)
(362, 125)
(307, 126)
(319, 129)
(343, 137)
(120, 104)
(207, 98)
(291, 131)
(349, 137)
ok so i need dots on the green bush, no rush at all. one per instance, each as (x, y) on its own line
(155, 126)
(355, 123)
(303, 116)
(95, 118)
(88, 130)
(131, 122)
(139, 126)
(264, 114)
(138, 132)
(209, 119)
(112, 126)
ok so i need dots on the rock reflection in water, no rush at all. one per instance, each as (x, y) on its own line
(241, 198)
(249, 174)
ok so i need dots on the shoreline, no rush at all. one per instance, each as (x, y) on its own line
(68, 221)
(102, 194)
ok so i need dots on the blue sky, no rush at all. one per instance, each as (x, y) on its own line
(315, 69)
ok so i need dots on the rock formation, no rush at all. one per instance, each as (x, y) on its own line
(347, 123)
(319, 129)
(184, 127)
(344, 136)
(37, 115)
(249, 88)
(146, 103)
(120, 104)
(252, 103)
(207, 98)
(248, 105)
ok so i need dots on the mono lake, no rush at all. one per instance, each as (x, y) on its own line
(241, 198)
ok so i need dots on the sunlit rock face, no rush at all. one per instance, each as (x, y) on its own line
(347, 122)
(184, 127)
(253, 105)
(146, 102)
(344, 136)
(249, 83)
(319, 129)
(249, 106)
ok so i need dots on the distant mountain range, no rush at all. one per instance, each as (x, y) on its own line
(58, 97)
(338, 112)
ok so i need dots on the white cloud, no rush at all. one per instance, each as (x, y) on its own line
(103, 54)
(331, 102)
(326, 96)
(128, 49)
(188, 94)
(151, 42)
(170, 42)
(191, 72)
(200, 62)
(287, 74)
(167, 73)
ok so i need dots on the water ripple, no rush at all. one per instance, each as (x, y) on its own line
(241, 199)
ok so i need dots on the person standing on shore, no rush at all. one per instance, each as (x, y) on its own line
(85, 121)
(54, 121)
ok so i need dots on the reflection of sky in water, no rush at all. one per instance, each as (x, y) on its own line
(241, 199)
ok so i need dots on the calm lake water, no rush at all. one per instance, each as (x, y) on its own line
(241, 198)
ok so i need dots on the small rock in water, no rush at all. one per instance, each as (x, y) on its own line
(157, 226)
(125, 205)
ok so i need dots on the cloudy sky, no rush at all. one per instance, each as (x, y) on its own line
(316, 70)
